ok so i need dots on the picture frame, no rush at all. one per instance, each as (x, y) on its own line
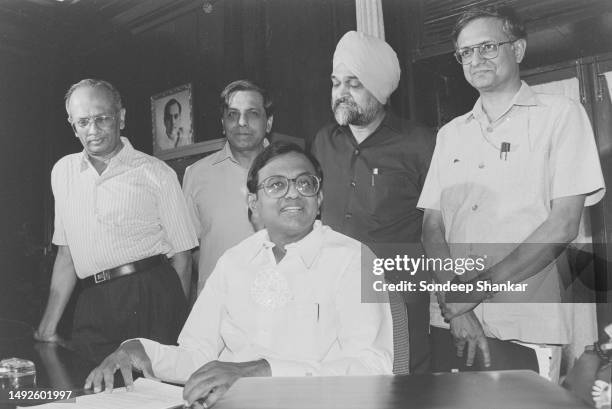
(172, 121)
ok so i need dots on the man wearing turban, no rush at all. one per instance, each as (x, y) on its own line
(374, 165)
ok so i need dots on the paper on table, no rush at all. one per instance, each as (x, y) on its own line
(147, 394)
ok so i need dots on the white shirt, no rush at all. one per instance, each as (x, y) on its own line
(303, 315)
(493, 201)
(133, 210)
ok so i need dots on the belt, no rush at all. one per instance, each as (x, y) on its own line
(124, 270)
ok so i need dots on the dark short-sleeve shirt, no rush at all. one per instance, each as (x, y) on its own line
(370, 190)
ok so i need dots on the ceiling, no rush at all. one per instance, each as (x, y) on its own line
(26, 26)
(79, 26)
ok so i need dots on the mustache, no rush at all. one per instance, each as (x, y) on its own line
(345, 100)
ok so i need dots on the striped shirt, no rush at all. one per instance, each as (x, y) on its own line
(133, 210)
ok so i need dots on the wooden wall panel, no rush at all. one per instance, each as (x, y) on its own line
(286, 45)
(23, 139)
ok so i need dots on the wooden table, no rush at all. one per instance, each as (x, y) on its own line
(468, 390)
(56, 367)
(59, 368)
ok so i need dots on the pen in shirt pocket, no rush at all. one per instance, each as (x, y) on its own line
(318, 310)
(374, 173)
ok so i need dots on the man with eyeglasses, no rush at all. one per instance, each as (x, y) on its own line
(375, 164)
(284, 302)
(119, 215)
(517, 169)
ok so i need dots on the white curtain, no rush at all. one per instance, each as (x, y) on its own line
(584, 314)
(370, 17)
(570, 88)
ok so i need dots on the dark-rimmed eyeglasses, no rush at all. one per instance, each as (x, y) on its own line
(277, 186)
(100, 121)
(487, 50)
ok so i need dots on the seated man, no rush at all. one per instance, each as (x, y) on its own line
(284, 302)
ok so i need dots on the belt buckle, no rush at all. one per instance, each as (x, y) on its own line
(101, 277)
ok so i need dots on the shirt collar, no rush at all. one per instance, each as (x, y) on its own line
(123, 156)
(525, 96)
(226, 152)
(308, 248)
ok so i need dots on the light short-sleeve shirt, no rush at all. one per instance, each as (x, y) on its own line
(304, 314)
(216, 195)
(488, 196)
(133, 210)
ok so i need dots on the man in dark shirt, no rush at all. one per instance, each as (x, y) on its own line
(375, 165)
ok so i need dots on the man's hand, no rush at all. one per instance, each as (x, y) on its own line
(128, 356)
(466, 329)
(206, 385)
(451, 310)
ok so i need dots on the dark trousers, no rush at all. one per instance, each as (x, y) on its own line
(148, 304)
(504, 355)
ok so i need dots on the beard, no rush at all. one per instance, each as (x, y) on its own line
(348, 112)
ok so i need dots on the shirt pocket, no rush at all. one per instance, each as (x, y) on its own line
(524, 174)
(390, 193)
(313, 328)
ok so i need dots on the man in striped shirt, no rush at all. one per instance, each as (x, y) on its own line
(119, 215)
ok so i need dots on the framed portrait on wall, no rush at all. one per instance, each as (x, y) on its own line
(172, 120)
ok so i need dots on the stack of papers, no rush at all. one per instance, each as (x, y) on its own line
(147, 394)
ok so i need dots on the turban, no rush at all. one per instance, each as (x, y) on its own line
(371, 60)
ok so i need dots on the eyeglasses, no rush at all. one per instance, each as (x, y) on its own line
(488, 51)
(278, 186)
(101, 121)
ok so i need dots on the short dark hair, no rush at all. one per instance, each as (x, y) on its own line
(511, 24)
(272, 151)
(246, 85)
(170, 102)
